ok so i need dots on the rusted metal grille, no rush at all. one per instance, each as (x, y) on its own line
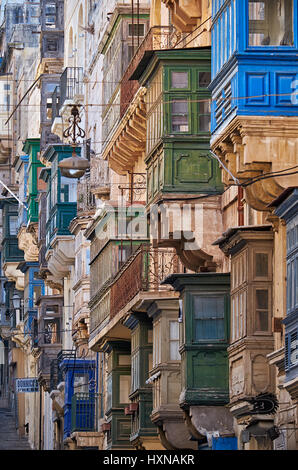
(157, 38)
(144, 271)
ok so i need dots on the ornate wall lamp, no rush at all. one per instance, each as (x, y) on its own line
(74, 166)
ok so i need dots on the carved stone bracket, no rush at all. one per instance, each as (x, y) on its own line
(255, 148)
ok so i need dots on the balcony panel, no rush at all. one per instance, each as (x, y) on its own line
(71, 84)
(84, 412)
(143, 272)
(157, 38)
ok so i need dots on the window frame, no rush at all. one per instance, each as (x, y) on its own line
(213, 294)
(263, 48)
(268, 287)
(174, 98)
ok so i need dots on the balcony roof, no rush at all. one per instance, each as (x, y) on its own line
(186, 54)
(128, 142)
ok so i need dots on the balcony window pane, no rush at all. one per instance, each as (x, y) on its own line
(13, 224)
(209, 321)
(204, 79)
(50, 9)
(136, 29)
(293, 349)
(37, 292)
(68, 190)
(124, 388)
(52, 331)
(81, 383)
(261, 260)
(54, 188)
(270, 22)
(262, 310)
(204, 116)
(180, 116)
(174, 341)
(179, 79)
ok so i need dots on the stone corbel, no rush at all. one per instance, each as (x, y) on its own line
(175, 436)
(27, 243)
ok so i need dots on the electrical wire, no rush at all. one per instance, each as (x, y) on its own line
(200, 100)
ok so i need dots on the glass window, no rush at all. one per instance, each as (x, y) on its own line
(13, 224)
(204, 79)
(81, 383)
(49, 108)
(37, 292)
(262, 310)
(179, 111)
(261, 262)
(124, 388)
(137, 29)
(52, 45)
(87, 261)
(174, 341)
(270, 22)
(51, 331)
(50, 9)
(54, 190)
(209, 318)
(179, 79)
(68, 190)
(293, 349)
(204, 116)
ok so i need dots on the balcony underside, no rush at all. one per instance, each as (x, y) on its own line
(115, 329)
(252, 147)
(61, 256)
(185, 14)
(128, 143)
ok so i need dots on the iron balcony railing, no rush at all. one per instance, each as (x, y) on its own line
(65, 354)
(84, 412)
(157, 38)
(85, 198)
(71, 84)
(56, 375)
(143, 271)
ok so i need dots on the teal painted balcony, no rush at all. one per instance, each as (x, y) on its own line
(61, 194)
(32, 148)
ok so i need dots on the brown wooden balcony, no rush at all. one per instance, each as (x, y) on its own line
(143, 272)
(157, 38)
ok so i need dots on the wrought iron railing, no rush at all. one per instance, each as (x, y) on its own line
(84, 412)
(71, 83)
(157, 38)
(85, 198)
(99, 173)
(144, 271)
(56, 375)
(65, 354)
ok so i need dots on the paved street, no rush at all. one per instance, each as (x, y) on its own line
(9, 439)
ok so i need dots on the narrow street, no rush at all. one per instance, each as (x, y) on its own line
(9, 438)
